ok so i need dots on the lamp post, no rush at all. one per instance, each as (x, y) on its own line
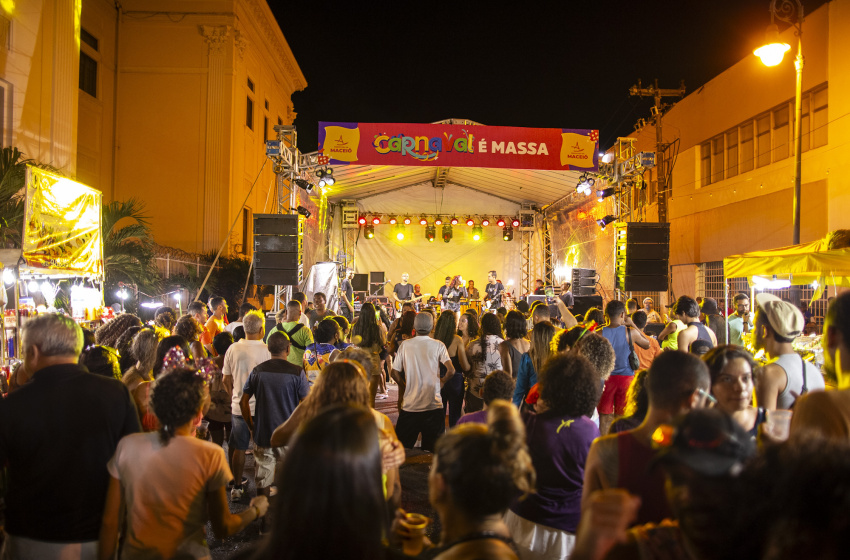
(771, 54)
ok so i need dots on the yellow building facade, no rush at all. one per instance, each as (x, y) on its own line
(166, 101)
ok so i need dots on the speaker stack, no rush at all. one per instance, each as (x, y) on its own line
(583, 282)
(276, 249)
(643, 255)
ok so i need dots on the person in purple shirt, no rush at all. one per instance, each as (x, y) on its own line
(559, 437)
(497, 385)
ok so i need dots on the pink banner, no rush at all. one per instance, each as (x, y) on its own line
(444, 145)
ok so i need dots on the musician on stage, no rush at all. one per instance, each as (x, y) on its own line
(473, 292)
(346, 296)
(493, 290)
(403, 291)
(452, 293)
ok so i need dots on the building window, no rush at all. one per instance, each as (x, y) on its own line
(780, 133)
(267, 104)
(88, 74)
(250, 84)
(705, 167)
(246, 231)
(732, 153)
(717, 159)
(280, 121)
(819, 118)
(265, 129)
(249, 113)
(88, 39)
(763, 140)
(805, 123)
(5, 113)
(747, 147)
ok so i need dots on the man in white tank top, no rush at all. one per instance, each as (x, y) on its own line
(780, 382)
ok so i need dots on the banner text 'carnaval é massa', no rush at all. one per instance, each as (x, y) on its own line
(62, 224)
(451, 145)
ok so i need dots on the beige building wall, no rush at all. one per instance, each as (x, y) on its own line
(752, 210)
(171, 127)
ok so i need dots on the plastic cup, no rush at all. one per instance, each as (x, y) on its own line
(415, 523)
(779, 423)
(203, 430)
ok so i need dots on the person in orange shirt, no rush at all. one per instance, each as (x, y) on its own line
(215, 324)
(645, 355)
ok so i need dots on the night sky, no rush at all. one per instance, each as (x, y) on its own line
(565, 66)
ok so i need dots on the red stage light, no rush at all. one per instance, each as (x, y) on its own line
(485, 222)
(362, 220)
(500, 222)
(376, 220)
(470, 222)
(454, 221)
(423, 221)
(515, 222)
(438, 221)
(393, 220)
(406, 221)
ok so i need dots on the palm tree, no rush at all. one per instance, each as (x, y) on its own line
(13, 168)
(127, 253)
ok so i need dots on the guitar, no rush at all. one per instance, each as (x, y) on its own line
(398, 304)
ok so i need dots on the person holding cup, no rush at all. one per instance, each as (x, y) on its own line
(731, 369)
(172, 481)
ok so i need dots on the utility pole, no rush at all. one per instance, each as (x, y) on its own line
(660, 161)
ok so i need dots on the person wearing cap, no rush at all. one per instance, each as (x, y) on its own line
(787, 376)
(703, 454)
(676, 383)
(422, 409)
(713, 319)
(688, 311)
(828, 412)
(652, 316)
(669, 337)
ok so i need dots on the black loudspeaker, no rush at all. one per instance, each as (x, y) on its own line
(583, 282)
(376, 283)
(643, 255)
(582, 303)
(276, 249)
(360, 282)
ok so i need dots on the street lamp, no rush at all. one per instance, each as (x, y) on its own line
(771, 54)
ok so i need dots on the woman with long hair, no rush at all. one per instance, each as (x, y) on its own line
(109, 333)
(452, 391)
(172, 481)
(544, 523)
(483, 354)
(370, 334)
(731, 369)
(191, 329)
(467, 328)
(476, 473)
(141, 395)
(539, 351)
(516, 342)
(333, 507)
(143, 350)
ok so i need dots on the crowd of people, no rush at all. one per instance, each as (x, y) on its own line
(552, 435)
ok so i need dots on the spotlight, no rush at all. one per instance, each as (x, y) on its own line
(485, 222)
(581, 215)
(325, 176)
(423, 221)
(399, 233)
(605, 221)
(515, 222)
(430, 233)
(304, 212)
(306, 185)
(376, 220)
(470, 222)
(454, 221)
(33, 286)
(122, 294)
(361, 220)
(585, 183)
(508, 233)
(447, 233)
(8, 276)
(500, 222)
(438, 221)
(393, 220)
(476, 233)
(407, 220)
(604, 193)
(369, 231)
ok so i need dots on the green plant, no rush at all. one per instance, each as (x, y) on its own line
(127, 253)
(13, 173)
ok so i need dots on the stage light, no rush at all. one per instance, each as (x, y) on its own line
(581, 215)
(361, 220)
(423, 221)
(393, 220)
(515, 222)
(369, 232)
(605, 221)
(500, 222)
(447, 233)
(376, 220)
(470, 222)
(430, 233)
(304, 212)
(508, 233)
(33, 286)
(454, 221)
(306, 185)
(407, 220)
(8, 276)
(438, 221)
(476, 233)
(399, 233)
(325, 176)
(485, 222)
(585, 183)
(605, 193)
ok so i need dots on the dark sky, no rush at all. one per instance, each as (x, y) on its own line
(569, 65)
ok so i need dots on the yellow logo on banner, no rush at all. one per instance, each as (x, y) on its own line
(341, 143)
(577, 150)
